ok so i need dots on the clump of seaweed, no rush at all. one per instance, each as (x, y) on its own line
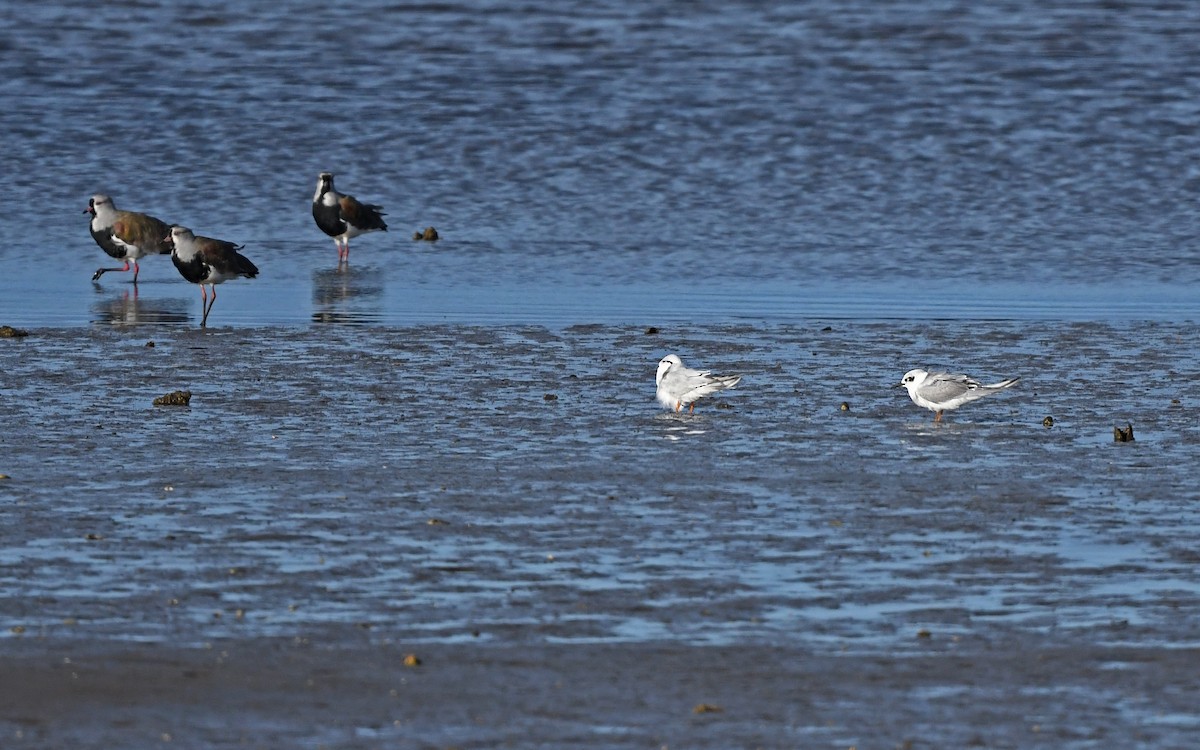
(8, 332)
(174, 398)
(1123, 436)
(429, 235)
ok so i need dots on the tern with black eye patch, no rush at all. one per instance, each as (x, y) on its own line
(942, 391)
(678, 386)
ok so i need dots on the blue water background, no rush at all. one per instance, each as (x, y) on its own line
(612, 161)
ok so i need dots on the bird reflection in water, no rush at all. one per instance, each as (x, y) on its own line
(126, 308)
(347, 296)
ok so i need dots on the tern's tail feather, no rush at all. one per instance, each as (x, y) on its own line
(728, 381)
(1009, 383)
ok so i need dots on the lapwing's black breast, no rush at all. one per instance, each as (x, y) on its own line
(328, 218)
(194, 270)
(104, 239)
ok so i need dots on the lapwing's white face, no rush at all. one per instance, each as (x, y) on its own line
(97, 203)
(324, 184)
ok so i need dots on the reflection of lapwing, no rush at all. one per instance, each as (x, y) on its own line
(678, 385)
(343, 216)
(343, 295)
(939, 391)
(125, 235)
(205, 261)
(126, 309)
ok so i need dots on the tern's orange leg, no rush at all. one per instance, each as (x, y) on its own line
(938, 416)
(678, 406)
(692, 408)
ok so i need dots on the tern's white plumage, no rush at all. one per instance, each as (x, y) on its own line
(939, 391)
(679, 386)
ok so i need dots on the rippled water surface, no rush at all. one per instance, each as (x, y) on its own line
(455, 443)
(694, 159)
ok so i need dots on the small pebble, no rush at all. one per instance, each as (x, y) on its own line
(412, 660)
(550, 397)
(1123, 436)
(845, 406)
(1048, 422)
(651, 331)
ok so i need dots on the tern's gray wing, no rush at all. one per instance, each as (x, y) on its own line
(681, 380)
(940, 387)
(702, 384)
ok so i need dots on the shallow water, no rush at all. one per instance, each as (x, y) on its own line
(600, 162)
(455, 444)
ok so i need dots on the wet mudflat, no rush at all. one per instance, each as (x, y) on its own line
(452, 450)
(575, 567)
(1027, 691)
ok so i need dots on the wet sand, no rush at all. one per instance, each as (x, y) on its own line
(344, 690)
(576, 567)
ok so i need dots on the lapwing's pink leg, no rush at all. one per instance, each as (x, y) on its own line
(101, 271)
(211, 302)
